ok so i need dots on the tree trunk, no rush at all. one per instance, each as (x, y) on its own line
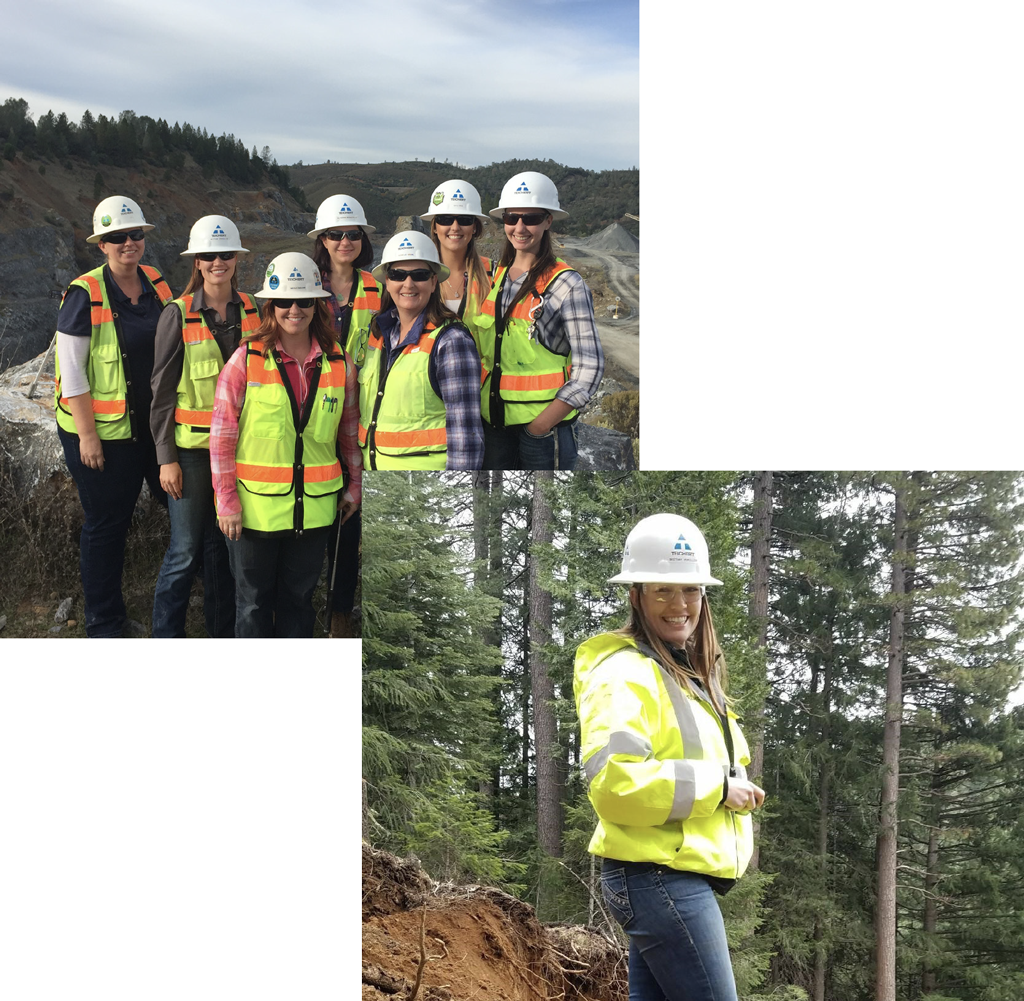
(760, 551)
(824, 805)
(885, 898)
(542, 689)
(930, 918)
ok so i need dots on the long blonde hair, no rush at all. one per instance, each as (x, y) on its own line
(474, 265)
(705, 661)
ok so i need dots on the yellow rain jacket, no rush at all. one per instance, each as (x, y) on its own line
(656, 760)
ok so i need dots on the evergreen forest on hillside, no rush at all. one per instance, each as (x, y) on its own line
(871, 623)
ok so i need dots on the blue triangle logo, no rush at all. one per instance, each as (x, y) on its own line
(683, 544)
(522, 189)
(295, 273)
(217, 231)
(125, 210)
(405, 243)
(344, 208)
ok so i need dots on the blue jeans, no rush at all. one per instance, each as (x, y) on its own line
(108, 498)
(275, 577)
(195, 540)
(513, 447)
(677, 945)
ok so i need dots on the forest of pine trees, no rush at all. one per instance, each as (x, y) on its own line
(871, 623)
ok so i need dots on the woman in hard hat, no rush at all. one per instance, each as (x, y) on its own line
(456, 220)
(105, 330)
(192, 343)
(286, 400)
(341, 252)
(419, 389)
(665, 762)
(537, 337)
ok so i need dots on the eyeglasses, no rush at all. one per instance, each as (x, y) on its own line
(137, 235)
(224, 256)
(447, 220)
(529, 218)
(287, 303)
(667, 592)
(419, 275)
(354, 236)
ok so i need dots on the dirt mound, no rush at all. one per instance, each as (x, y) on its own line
(615, 238)
(456, 943)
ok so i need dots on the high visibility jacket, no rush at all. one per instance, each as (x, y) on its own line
(365, 305)
(200, 367)
(656, 760)
(401, 418)
(286, 462)
(474, 295)
(108, 371)
(517, 367)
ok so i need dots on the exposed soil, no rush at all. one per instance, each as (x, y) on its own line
(472, 943)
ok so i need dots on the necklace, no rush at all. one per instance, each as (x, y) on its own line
(452, 293)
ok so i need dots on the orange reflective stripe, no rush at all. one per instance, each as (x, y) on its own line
(163, 290)
(283, 474)
(108, 406)
(256, 370)
(202, 417)
(523, 383)
(362, 435)
(407, 439)
(321, 474)
(376, 341)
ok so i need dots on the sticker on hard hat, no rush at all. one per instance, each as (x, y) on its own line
(218, 231)
(682, 543)
(344, 208)
(458, 196)
(105, 221)
(270, 270)
(438, 197)
(125, 210)
(274, 282)
(522, 189)
(406, 244)
(296, 274)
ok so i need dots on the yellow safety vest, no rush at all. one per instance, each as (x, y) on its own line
(286, 463)
(472, 298)
(656, 759)
(365, 305)
(202, 363)
(113, 406)
(518, 368)
(401, 418)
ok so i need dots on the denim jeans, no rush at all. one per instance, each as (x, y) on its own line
(677, 945)
(513, 447)
(195, 540)
(108, 498)
(275, 577)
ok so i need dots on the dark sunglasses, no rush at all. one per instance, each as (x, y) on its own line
(354, 236)
(419, 275)
(447, 220)
(223, 255)
(136, 235)
(287, 303)
(529, 218)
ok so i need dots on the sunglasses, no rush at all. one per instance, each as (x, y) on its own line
(224, 256)
(419, 275)
(666, 592)
(287, 303)
(136, 235)
(355, 236)
(529, 218)
(447, 220)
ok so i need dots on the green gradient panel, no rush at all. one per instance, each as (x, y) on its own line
(172, 853)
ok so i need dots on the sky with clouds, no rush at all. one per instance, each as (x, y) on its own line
(862, 84)
(472, 82)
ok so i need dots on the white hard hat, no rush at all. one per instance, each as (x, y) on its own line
(529, 190)
(292, 276)
(213, 233)
(114, 214)
(339, 210)
(410, 246)
(455, 198)
(667, 549)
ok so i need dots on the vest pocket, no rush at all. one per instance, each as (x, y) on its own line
(267, 420)
(204, 382)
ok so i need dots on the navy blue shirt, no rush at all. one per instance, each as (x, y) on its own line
(138, 328)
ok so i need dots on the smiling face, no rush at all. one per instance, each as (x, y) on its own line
(409, 296)
(527, 239)
(293, 321)
(342, 252)
(455, 239)
(216, 274)
(672, 610)
(124, 255)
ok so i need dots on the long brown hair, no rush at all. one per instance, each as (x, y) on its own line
(475, 266)
(321, 327)
(545, 261)
(195, 280)
(706, 662)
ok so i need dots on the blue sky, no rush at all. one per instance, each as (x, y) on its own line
(828, 85)
(471, 82)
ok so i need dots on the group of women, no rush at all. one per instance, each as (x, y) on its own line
(254, 429)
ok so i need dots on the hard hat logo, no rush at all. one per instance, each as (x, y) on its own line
(125, 210)
(458, 196)
(105, 221)
(270, 269)
(406, 244)
(274, 282)
(344, 209)
(682, 543)
(296, 275)
(438, 197)
(218, 231)
(522, 189)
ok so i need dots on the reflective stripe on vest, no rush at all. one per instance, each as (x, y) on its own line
(365, 305)
(288, 479)
(401, 418)
(201, 364)
(108, 385)
(530, 374)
